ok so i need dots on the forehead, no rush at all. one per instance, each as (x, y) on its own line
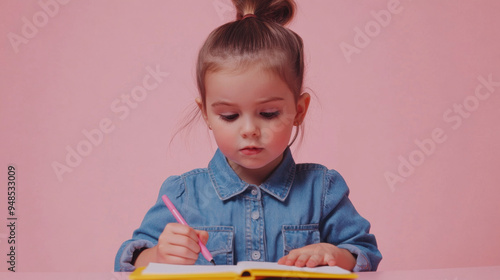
(251, 83)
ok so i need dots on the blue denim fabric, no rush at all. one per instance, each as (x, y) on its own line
(298, 205)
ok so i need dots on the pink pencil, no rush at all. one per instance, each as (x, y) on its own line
(180, 219)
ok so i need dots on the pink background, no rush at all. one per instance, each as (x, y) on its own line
(368, 109)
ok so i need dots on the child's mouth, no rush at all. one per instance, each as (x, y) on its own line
(251, 150)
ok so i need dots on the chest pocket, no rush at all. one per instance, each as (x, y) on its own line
(298, 236)
(220, 244)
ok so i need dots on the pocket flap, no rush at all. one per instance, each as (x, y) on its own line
(220, 244)
(298, 236)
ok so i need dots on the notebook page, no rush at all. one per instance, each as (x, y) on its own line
(274, 266)
(161, 268)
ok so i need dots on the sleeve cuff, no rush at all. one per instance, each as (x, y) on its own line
(128, 253)
(362, 261)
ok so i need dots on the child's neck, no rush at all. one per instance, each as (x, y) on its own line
(255, 176)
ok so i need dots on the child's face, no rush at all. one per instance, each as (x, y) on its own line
(251, 114)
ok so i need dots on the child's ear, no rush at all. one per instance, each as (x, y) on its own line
(302, 105)
(199, 102)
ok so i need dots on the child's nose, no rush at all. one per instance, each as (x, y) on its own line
(250, 129)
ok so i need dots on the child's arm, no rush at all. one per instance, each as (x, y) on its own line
(178, 244)
(319, 254)
(152, 226)
(342, 226)
(346, 237)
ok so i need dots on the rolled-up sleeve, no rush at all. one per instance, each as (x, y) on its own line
(155, 220)
(123, 261)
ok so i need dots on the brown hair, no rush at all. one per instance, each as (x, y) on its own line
(262, 39)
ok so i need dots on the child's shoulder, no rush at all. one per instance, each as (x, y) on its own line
(174, 186)
(186, 175)
(316, 167)
(304, 167)
(331, 176)
(194, 172)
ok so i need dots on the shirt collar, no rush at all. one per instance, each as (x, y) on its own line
(227, 183)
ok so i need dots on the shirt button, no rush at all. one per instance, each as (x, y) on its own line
(254, 191)
(255, 215)
(255, 255)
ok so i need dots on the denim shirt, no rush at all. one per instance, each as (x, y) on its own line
(298, 205)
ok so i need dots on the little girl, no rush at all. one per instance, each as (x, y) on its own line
(253, 202)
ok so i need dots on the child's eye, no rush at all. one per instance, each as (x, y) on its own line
(270, 115)
(229, 118)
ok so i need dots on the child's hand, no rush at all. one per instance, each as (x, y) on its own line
(178, 244)
(319, 254)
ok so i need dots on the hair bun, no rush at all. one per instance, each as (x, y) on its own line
(278, 11)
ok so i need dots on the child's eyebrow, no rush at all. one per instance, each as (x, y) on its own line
(221, 103)
(266, 100)
(271, 99)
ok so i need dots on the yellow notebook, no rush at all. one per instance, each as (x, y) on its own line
(246, 270)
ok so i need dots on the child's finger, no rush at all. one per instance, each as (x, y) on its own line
(330, 260)
(288, 259)
(172, 259)
(314, 261)
(283, 260)
(302, 260)
(291, 257)
(202, 235)
(180, 229)
(178, 235)
(183, 241)
(181, 252)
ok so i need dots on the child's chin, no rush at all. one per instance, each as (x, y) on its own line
(251, 164)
